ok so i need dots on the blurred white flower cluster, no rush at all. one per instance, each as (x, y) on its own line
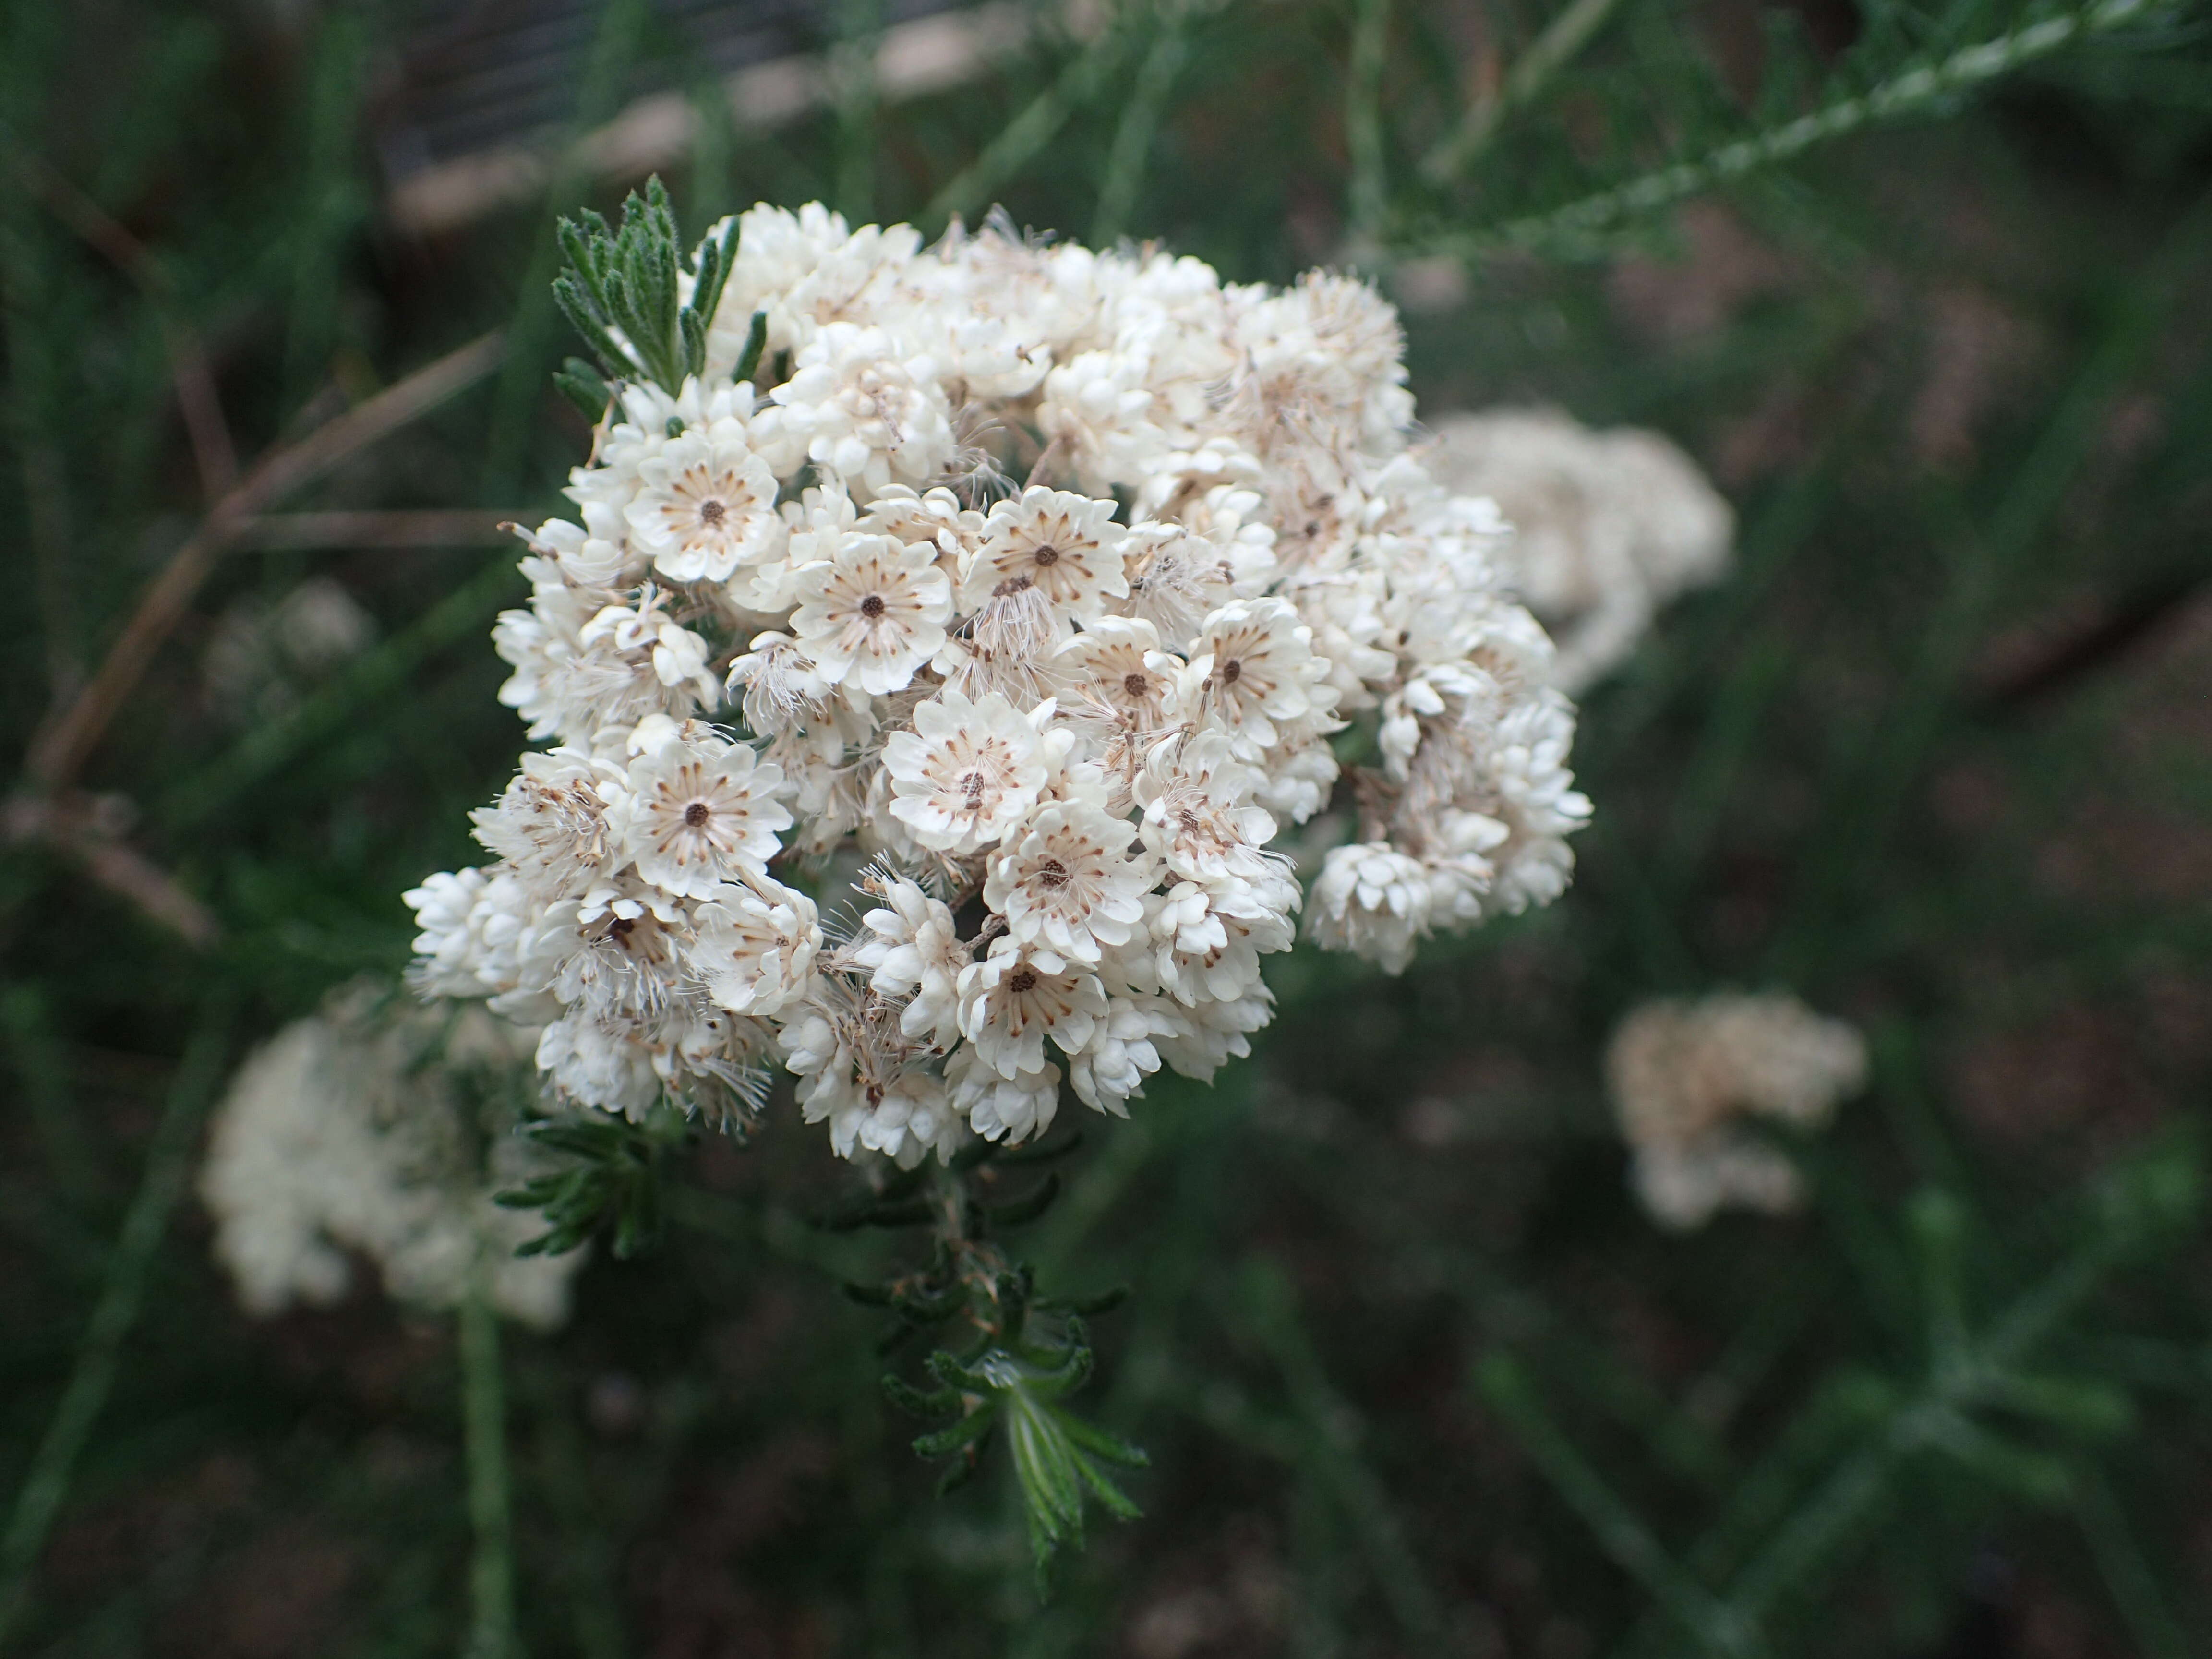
(1042, 580)
(1683, 1074)
(1609, 526)
(362, 1128)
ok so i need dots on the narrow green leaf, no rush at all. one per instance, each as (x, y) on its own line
(748, 366)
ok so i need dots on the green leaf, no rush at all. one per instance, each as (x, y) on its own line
(584, 387)
(748, 366)
(1027, 1207)
(944, 1442)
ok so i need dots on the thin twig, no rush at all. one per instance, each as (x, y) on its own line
(168, 1160)
(72, 824)
(1551, 51)
(62, 746)
(379, 672)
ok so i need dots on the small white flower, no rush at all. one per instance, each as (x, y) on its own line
(598, 1065)
(698, 810)
(864, 411)
(1218, 1032)
(472, 922)
(1198, 814)
(1012, 1109)
(1115, 671)
(1066, 884)
(968, 771)
(913, 950)
(1298, 774)
(1373, 901)
(874, 613)
(783, 685)
(551, 824)
(705, 505)
(1178, 578)
(1210, 936)
(1067, 547)
(1010, 1002)
(935, 517)
(1260, 668)
(1097, 410)
(582, 666)
(1122, 1051)
(756, 946)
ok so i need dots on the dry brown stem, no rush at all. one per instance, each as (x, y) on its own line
(62, 745)
(83, 827)
(213, 453)
(307, 532)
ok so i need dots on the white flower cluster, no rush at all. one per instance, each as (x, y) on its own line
(355, 1129)
(1041, 580)
(1608, 526)
(1681, 1074)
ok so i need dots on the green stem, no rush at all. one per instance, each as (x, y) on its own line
(1712, 1624)
(483, 1421)
(1369, 196)
(2135, 1588)
(1567, 35)
(506, 445)
(168, 1161)
(852, 69)
(1029, 132)
(1140, 120)
(1578, 226)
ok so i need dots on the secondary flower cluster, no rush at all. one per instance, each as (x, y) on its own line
(376, 1126)
(1051, 585)
(1684, 1075)
(1608, 526)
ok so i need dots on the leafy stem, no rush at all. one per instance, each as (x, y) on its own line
(1011, 1357)
(622, 290)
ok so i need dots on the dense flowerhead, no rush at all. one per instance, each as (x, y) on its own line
(1053, 587)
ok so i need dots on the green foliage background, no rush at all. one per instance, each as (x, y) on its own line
(1922, 285)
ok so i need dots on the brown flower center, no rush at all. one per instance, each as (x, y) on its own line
(1022, 981)
(620, 929)
(1231, 672)
(1135, 684)
(712, 512)
(1053, 873)
(972, 786)
(698, 813)
(873, 606)
(1047, 554)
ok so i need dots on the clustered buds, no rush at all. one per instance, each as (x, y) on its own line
(1037, 591)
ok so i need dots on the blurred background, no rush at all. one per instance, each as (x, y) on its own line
(1416, 1372)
